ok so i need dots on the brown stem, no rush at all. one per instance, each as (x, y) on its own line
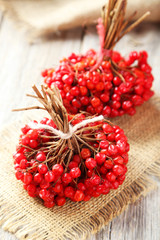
(117, 73)
(114, 22)
(61, 150)
(27, 108)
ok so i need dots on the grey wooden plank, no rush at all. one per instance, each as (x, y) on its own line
(22, 64)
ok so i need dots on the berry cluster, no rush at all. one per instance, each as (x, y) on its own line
(105, 90)
(99, 167)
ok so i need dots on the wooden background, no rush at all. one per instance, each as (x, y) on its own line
(20, 67)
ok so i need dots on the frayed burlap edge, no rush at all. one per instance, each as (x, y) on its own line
(75, 14)
(15, 223)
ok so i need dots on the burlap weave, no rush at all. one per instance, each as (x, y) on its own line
(28, 218)
(43, 17)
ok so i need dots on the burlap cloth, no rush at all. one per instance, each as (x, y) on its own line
(43, 17)
(27, 218)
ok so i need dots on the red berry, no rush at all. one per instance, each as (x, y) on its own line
(107, 128)
(115, 185)
(118, 170)
(85, 153)
(32, 134)
(68, 79)
(25, 140)
(57, 169)
(79, 196)
(72, 164)
(75, 172)
(42, 168)
(44, 194)
(95, 180)
(118, 160)
(75, 91)
(49, 204)
(33, 143)
(31, 190)
(40, 156)
(108, 164)
(60, 201)
(111, 177)
(104, 144)
(112, 149)
(69, 192)
(127, 105)
(95, 102)
(27, 178)
(100, 158)
(23, 164)
(49, 176)
(38, 178)
(44, 184)
(25, 129)
(90, 163)
(58, 188)
(18, 157)
(66, 178)
(76, 158)
(19, 174)
(81, 186)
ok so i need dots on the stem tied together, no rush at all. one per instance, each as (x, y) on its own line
(66, 139)
(115, 26)
(111, 28)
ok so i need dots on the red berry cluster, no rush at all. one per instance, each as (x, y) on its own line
(102, 91)
(88, 174)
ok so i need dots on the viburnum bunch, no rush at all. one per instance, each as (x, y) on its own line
(104, 82)
(69, 156)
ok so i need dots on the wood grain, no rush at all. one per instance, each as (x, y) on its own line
(20, 67)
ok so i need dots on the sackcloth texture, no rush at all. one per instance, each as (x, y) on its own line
(28, 219)
(43, 17)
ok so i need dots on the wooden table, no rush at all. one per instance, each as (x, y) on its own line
(20, 67)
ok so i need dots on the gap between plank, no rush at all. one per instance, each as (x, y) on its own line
(82, 38)
(110, 230)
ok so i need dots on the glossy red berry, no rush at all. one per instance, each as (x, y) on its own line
(44, 194)
(19, 174)
(49, 176)
(100, 158)
(42, 168)
(95, 180)
(58, 188)
(85, 153)
(41, 157)
(108, 164)
(118, 170)
(75, 172)
(79, 196)
(107, 128)
(111, 177)
(90, 163)
(60, 201)
(38, 177)
(27, 178)
(23, 164)
(31, 188)
(57, 169)
(66, 178)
